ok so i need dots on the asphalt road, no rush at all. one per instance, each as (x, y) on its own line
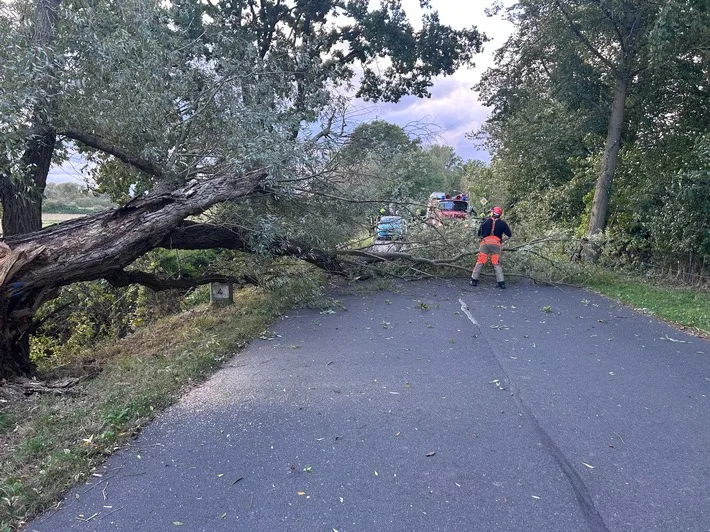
(430, 407)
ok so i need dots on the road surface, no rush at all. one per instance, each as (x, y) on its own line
(429, 407)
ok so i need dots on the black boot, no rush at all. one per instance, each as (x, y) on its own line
(501, 284)
(473, 282)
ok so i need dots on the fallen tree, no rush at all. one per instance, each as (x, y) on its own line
(35, 265)
(171, 114)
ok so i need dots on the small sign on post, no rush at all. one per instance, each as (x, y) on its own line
(221, 294)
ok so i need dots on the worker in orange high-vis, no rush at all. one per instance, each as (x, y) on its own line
(492, 232)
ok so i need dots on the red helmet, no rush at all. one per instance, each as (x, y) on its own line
(496, 211)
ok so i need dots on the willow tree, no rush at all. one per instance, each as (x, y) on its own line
(180, 106)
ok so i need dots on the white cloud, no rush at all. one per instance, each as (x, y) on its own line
(454, 109)
(69, 170)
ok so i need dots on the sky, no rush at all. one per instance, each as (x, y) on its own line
(453, 109)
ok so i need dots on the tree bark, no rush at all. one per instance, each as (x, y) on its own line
(34, 266)
(157, 284)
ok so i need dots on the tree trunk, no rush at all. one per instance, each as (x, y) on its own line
(22, 195)
(600, 204)
(14, 345)
(34, 266)
(22, 199)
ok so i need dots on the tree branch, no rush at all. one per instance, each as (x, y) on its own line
(158, 284)
(193, 235)
(583, 39)
(105, 146)
(610, 15)
(384, 257)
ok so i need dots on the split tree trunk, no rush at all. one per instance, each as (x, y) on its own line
(34, 266)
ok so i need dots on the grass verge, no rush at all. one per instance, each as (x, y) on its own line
(50, 442)
(683, 307)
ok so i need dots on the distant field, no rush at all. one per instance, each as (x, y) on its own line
(52, 218)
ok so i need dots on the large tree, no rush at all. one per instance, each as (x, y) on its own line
(181, 106)
(575, 69)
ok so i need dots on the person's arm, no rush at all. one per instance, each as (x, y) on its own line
(506, 232)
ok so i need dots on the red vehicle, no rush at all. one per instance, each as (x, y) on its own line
(443, 206)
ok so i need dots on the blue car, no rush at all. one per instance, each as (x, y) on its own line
(390, 228)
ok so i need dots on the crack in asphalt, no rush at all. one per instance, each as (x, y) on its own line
(584, 499)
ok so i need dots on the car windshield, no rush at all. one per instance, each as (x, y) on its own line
(390, 220)
(453, 205)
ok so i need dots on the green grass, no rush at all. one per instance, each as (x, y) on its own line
(48, 443)
(684, 307)
(6, 423)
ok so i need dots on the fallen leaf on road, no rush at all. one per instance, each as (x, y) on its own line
(536, 497)
(497, 383)
(431, 453)
(177, 523)
(301, 493)
(669, 339)
(589, 466)
(223, 516)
